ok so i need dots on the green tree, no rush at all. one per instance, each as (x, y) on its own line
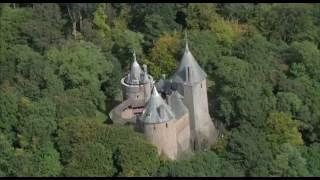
(289, 162)
(11, 21)
(8, 113)
(288, 23)
(243, 12)
(282, 129)
(129, 158)
(305, 53)
(125, 42)
(311, 154)
(90, 159)
(154, 20)
(162, 58)
(288, 102)
(45, 27)
(36, 122)
(201, 164)
(249, 148)
(100, 19)
(40, 161)
(74, 68)
(204, 17)
(6, 156)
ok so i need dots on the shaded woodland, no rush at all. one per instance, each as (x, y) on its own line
(60, 71)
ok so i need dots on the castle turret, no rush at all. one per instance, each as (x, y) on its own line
(135, 72)
(137, 84)
(158, 125)
(191, 81)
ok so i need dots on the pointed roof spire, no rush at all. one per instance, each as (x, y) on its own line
(186, 39)
(135, 71)
(155, 91)
(135, 65)
(189, 70)
(134, 56)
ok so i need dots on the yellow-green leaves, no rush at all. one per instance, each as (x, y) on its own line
(100, 19)
(163, 56)
(282, 129)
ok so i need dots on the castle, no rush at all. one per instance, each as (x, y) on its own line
(173, 113)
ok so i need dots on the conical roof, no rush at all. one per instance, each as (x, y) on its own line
(154, 108)
(135, 72)
(188, 61)
(177, 105)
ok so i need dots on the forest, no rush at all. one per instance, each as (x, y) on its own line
(60, 71)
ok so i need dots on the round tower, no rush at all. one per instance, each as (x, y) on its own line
(137, 84)
(158, 125)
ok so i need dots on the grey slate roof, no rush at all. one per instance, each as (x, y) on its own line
(164, 86)
(135, 72)
(197, 74)
(151, 113)
(177, 105)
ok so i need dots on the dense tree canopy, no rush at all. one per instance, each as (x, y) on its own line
(60, 70)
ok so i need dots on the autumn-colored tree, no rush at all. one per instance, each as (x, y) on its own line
(163, 56)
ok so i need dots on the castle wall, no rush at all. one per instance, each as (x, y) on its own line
(183, 134)
(122, 114)
(133, 92)
(140, 94)
(164, 137)
(203, 131)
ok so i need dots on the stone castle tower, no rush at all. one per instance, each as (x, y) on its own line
(176, 119)
(191, 83)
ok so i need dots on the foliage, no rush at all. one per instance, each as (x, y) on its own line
(45, 27)
(201, 164)
(125, 42)
(311, 154)
(287, 23)
(162, 58)
(122, 157)
(99, 19)
(262, 65)
(289, 162)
